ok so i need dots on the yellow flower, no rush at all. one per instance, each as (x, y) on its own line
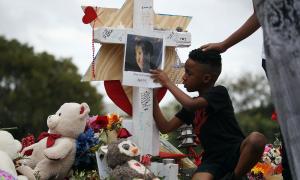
(256, 170)
(264, 168)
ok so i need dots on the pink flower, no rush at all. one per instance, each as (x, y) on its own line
(268, 147)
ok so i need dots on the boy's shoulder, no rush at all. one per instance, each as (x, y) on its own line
(220, 88)
(216, 93)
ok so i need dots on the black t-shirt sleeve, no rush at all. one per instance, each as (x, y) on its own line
(217, 98)
(185, 116)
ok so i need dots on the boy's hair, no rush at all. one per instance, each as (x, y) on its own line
(210, 58)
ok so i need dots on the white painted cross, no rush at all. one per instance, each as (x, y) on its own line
(145, 133)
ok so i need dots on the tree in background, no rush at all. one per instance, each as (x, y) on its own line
(34, 86)
(251, 99)
(248, 91)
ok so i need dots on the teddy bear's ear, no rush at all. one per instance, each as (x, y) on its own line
(84, 110)
(104, 149)
(18, 145)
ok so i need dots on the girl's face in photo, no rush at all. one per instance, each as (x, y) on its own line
(139, 56)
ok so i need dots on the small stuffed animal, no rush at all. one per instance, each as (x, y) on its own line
(54, 155)
(9, 148)
(121, 155)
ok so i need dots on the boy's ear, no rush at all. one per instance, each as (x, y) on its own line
(207, 78)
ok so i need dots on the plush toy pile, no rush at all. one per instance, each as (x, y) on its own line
(53, 155)
(69, 146)
(121, 158)
(9, 148)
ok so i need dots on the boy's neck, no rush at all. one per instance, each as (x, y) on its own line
(205, 89)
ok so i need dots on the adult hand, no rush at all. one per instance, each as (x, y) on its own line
(159, 76)
(220, 47)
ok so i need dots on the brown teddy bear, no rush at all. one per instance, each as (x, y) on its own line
(54, 155)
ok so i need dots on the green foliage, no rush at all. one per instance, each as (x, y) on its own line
(260, 122)
(251, 99)
(248, 91)
(34, 85)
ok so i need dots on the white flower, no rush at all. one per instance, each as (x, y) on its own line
(278, 160)
(272, 152)
(267, 159)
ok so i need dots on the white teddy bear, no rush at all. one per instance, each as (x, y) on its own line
(9, 148)
(54, 155)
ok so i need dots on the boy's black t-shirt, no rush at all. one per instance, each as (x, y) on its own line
(215, 125)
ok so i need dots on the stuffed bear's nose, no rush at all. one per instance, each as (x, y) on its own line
(135, 150)
(49, 116)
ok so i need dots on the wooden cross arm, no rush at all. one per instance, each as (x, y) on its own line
(118, 36)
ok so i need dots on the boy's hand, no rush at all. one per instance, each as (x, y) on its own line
(220, 47)
(160, 76)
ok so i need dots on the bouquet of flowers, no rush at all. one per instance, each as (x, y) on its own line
(270, 164)
(100, 130)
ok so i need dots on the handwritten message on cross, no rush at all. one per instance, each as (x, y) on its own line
(136, 17)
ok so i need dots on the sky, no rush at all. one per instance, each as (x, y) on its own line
(56, 27)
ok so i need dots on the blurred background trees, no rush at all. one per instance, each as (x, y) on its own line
(251, 98)
(34, 86)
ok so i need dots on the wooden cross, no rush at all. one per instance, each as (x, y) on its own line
(112, 33)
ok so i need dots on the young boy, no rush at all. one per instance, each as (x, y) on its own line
(227, 153)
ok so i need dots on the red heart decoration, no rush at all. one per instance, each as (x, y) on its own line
(161, 93)
(116, 93)
(89, 15)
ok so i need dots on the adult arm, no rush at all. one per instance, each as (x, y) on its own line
(248, 28)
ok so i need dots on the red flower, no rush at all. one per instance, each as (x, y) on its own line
(146, 160)
(27, 141)
(98, 122)
(278, 169)
(123, 133)
(274, 116)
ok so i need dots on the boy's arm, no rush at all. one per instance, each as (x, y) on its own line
(248, 28)
(185, 100)
(162, 124)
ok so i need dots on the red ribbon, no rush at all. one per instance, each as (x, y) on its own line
(51, 138)
(197, 157)
(172, 155)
